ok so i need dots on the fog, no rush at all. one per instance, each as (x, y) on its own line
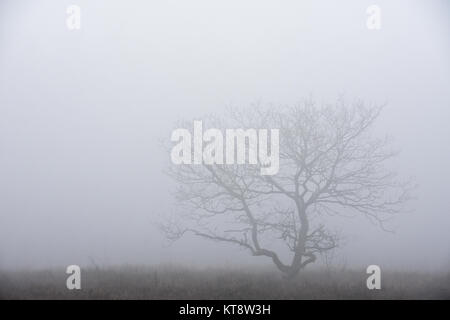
(83, 113)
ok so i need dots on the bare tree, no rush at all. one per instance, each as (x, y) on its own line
(329, 164)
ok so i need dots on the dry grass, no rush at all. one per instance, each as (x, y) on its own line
(181, 283)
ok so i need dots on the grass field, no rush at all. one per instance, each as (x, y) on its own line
(180, 283)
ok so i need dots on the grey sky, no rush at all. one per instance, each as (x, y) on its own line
(82, 113)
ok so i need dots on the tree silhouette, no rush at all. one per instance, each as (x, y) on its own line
(329, 164)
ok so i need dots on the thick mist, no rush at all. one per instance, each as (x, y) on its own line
(83, 114)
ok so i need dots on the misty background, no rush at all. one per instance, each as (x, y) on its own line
(83, 113)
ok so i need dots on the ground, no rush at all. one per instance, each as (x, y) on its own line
(168, 282)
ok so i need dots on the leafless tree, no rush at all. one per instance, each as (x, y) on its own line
(330, 163)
